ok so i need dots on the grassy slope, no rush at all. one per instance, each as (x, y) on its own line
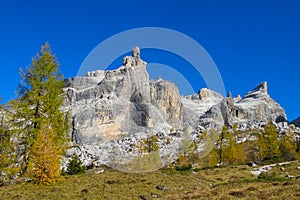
(233, 182)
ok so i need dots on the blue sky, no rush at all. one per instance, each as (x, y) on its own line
(250, 41)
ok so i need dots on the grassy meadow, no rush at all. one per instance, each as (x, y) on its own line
(231, 182)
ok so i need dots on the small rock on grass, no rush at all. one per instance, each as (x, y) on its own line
(161, 187)
(144, 197)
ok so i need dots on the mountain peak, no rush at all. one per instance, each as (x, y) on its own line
(262, 87)
(260, 91)
(134, 59)
(206, 93)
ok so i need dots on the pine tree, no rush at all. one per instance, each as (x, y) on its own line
(75, 166)
(40, 97)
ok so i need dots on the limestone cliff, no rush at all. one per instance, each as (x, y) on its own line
(108, 104)
(119, 116)
(296, 122)
(255, 107)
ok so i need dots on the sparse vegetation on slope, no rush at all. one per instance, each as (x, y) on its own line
(216, 183)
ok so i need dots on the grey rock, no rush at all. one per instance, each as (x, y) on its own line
(161, 187)
(144, 197)
(237, 98)
(218, 115)
(107, 105)
(134, 60)
(256, 106)
(114, 111)
(296, 122)
(198, 104)
(154, 196)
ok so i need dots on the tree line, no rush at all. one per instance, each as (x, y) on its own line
(262, 146)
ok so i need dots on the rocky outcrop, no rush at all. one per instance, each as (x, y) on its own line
(256, 106)
(296, 122)
(124, 120)
(198, 104)
(108, 104)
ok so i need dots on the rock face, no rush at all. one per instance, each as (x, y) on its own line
(198, 104)
(256, 106)
(108, 104)
(296, 122)
(120, 117)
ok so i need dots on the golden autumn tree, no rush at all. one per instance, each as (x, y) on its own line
(238, 153)
(221, 143)
(269, 143)
(230, 152)
(45, 156)
(288, 148)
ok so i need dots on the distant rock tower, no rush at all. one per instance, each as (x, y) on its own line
(134, 59)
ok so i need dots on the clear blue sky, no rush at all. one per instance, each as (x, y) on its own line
(250, 41)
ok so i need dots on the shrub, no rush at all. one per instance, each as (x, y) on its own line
(184, 167)
(271, 177)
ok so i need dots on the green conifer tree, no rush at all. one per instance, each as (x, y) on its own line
(40, 97)
(75, 166)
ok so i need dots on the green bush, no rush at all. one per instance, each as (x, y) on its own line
(184, 167)
(271, 177)
(298, 146)
(75, 166)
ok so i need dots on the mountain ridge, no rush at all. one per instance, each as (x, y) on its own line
(115, 113)
(103, 100)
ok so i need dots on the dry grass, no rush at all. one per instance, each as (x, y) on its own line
(233, 182)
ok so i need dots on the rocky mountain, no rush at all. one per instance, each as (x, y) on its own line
(296, 122)
(255, 107)
(108, 104)
(116, 113)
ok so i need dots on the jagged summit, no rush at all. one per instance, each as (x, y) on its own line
(134, 59)
(262, 87)
(107, 105)
(296, 122)
(256, 106)
(260, 91)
